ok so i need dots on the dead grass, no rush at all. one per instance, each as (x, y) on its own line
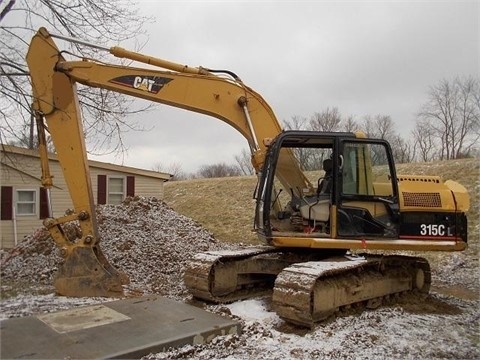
(226, 207)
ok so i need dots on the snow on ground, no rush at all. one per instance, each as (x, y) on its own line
(152, 243)
(443, 328)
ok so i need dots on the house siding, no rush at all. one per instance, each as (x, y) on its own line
(21, 171)
(144, 186)
(148, 188)
(19, 226)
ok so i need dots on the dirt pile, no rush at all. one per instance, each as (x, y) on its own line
(143, 237)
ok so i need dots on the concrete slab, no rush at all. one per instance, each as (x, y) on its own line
(122, 329)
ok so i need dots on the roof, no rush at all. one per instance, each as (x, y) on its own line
(91, 163)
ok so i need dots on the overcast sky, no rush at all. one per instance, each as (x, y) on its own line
(364, 57)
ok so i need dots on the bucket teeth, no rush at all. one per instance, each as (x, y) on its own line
(86, 272)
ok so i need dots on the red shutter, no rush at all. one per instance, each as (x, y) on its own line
(130, 185)
(7, 203)
(44, 208)
(101, 189)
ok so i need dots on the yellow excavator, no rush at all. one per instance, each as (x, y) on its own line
(314, 224)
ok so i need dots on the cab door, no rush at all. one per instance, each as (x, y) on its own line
(366, 197)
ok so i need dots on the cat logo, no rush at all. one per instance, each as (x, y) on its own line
(143, 83)
(151, 84)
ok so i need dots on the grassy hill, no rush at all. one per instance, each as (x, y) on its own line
(226, 207)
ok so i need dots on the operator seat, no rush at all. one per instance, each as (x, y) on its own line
(326, 185)
(318, 208)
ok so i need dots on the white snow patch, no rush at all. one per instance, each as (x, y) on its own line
(252, 310)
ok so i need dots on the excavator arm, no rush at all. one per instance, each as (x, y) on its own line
(196, 89)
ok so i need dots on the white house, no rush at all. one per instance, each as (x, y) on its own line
(23, 199)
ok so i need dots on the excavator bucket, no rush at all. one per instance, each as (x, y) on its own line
(86, 272)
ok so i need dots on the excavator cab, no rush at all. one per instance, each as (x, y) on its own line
(359, 201)
(368, 205)
(367, 195)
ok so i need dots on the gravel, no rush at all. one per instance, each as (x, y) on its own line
(143, 237)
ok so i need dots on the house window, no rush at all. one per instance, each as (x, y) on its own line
(113, 189)
(26, 203)
(116, 190)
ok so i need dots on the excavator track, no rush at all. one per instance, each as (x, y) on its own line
(309, 292)
(226, 276)
(307, 287)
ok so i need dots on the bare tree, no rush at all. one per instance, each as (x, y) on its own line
(425, 147)
(244, 162)
(349, 124)
(218, 170)
(383, 127)
(331, 120)
(296, 123)
(103, 22)
(368, 126)
(304, 156)
(6, 9)
(452, 113)
(379, 127)
(327, 120)
(174, 169)
(402, 150)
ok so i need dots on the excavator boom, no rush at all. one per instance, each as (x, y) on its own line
(193, 89)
